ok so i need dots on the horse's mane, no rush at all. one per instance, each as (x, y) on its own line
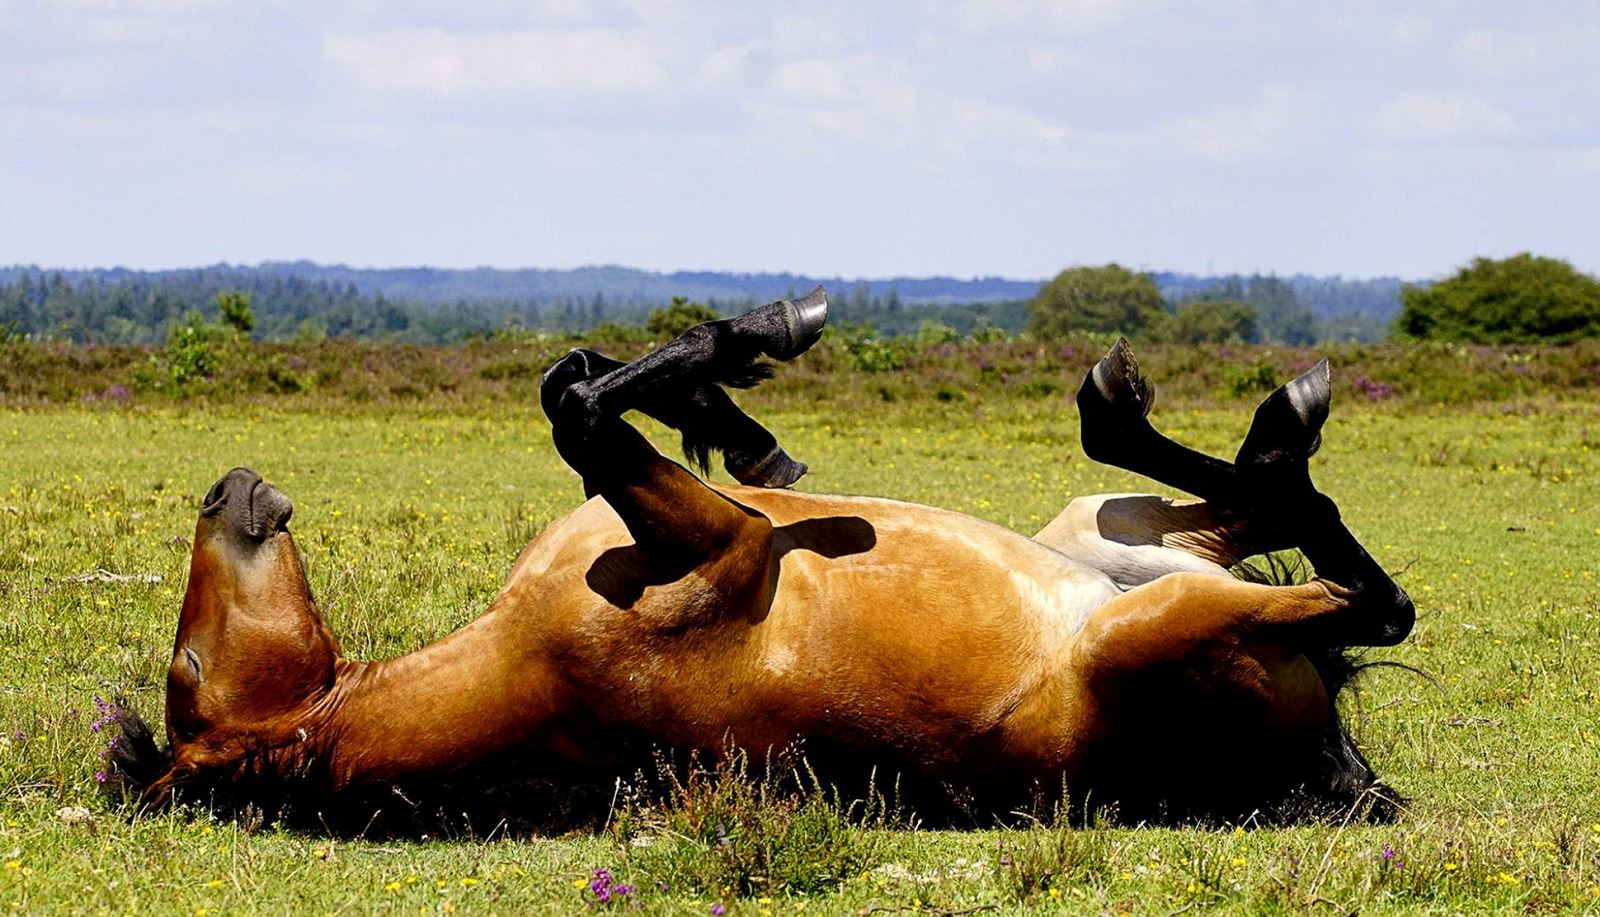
(1345, 785)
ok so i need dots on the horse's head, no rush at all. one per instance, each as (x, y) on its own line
(252, 658)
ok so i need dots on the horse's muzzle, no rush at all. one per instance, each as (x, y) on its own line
(250, 506)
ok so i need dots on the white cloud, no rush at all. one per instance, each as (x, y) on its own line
(438, 63)
(1407, 31)
(1051, 15)
(1279, 117)
(1526, 52)
(1424, 114)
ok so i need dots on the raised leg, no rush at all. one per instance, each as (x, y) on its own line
(702, 413)
(1265, 494)
(673, 515)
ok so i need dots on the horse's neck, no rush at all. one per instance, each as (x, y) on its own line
(441, 708)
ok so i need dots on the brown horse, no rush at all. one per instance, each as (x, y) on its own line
(1112, 654)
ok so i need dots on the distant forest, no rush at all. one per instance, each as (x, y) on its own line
(430, 305)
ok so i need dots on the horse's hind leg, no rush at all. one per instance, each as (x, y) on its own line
(1114, 405)
(1266, 491)
(1113, 410)
(702, 412)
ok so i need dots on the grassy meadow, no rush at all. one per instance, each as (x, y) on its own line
(410, 510)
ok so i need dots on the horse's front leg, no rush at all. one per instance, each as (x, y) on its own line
(670, 512)
(702, 413)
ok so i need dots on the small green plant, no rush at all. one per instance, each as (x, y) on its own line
(869, 353)
(190, 355)
(725, 830)
(1257, 376)
(931, 333)
(236, 312)
(678, 317)
(1039, 860)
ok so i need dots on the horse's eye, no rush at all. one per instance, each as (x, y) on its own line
(193, 660)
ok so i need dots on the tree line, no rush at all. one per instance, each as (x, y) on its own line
(1517, 300)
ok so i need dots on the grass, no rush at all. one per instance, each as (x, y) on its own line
(408, 515)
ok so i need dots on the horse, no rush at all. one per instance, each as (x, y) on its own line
(1113, 656)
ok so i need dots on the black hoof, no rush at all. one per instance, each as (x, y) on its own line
(1288, 424)
(804, 318)
(1113, 402)
(1117, 380)
(775, 469)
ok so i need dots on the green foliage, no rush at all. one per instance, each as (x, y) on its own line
(1108, 299)
(1519, 300)
(1039, 860)
(724, 830)
(931, 332)
(190, 355)
(869, 353)
(236, 312)
(667, 323)
(1209, 322)
(1256, 377)
(988, 334)
(1280, 316)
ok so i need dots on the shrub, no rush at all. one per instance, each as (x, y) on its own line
(189, 352)
(666, 324)
(1523, 299)
(1258, 376)
(724, 830)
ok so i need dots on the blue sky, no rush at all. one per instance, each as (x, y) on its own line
(854, 138)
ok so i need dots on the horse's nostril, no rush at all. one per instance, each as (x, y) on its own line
(215, 496)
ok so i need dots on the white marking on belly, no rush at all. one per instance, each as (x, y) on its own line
(1065, 604)
(778, 658)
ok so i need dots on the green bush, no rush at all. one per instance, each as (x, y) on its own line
(1109, 299)
(1257, 376)
(190, 355)
(1519, 300)
(869, 353)
(666, 324)
(725, 830)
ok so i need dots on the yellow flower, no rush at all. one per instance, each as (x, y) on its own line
(468, 880)
(392, 887)
(214, 883)
(1238, 861)
(1055, 892)
(1450, 867)
(579, 883)
(13, 864)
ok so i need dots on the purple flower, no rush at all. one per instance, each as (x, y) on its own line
(1388, 852)
(718, 910)
(100, 777)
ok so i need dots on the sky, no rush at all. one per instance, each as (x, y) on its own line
(882, 138)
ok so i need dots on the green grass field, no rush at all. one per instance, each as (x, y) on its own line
(408, 517)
